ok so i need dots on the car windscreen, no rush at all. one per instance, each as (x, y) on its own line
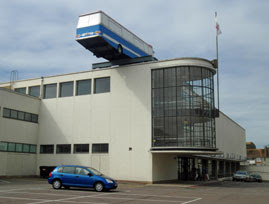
(97, 173)
(241, 172)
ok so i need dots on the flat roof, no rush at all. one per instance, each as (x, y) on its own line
(116, 67)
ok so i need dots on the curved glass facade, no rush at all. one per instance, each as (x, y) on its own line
(183, 108)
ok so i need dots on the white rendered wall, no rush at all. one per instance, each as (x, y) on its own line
(230, 138)
(18, 132)
(121, 118)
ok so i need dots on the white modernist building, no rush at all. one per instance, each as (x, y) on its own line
(146, 122)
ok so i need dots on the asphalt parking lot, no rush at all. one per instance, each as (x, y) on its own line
(38, 191)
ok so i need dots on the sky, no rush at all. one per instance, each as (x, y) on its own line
(37, 38)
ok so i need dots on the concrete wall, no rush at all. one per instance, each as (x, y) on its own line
(17, 164)
(230, 138)
(164, 167)
(18, 132)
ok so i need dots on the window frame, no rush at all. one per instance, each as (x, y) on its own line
(61, 89)
(81, 147)
(31, 87)
(99, 150)
(62, 145)
(95, 86)
(77, 85)
(19, 90)
(46, 145)
(50, 85)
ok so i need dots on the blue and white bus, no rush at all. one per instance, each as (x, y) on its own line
(106, 38)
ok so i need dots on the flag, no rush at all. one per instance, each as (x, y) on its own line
(217, 25)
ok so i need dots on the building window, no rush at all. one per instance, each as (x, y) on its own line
(183, 107)
(3, 146)
(46, 149)
(18, 147)
(63, 149)
(6, 113)
(81, 148)
(32, 148)
(21, 90)
(34, 91)
(11, 147)
(14, 114)
(102, 85)
(66, 89)
(50, 91)
(100, 148)
(84, 87)
(28, 117)
(26, 148)
(34, 118)
(19, 115)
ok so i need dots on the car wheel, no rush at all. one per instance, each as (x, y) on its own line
(57, 184)
(99, 187)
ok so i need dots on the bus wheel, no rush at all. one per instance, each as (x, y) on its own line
(120, 50)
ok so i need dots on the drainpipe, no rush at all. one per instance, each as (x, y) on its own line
(41, 88)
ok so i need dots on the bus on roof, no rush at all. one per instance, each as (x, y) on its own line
(106, 38)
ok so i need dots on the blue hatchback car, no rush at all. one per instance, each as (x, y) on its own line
(80, 176)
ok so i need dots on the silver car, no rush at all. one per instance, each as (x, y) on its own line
(240, 176)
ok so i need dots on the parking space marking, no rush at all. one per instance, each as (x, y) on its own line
(32, 193)
(15, 198)
(66, 199)
(157, 195)
(191, 201)
(111, 197)
(97, 196)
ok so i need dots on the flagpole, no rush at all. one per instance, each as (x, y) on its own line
(217, 53)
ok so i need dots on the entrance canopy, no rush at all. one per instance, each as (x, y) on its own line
(187, 152)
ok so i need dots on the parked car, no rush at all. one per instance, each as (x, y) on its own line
(240, 175)
(80, 176)
(254, 177)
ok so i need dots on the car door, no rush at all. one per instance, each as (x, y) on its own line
(83, 178)
(68, 176)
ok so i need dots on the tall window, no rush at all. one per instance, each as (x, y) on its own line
(66, 89)
(102, 85)
(84, 87)
(50, 90)
(183, 107)
(34, 91)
